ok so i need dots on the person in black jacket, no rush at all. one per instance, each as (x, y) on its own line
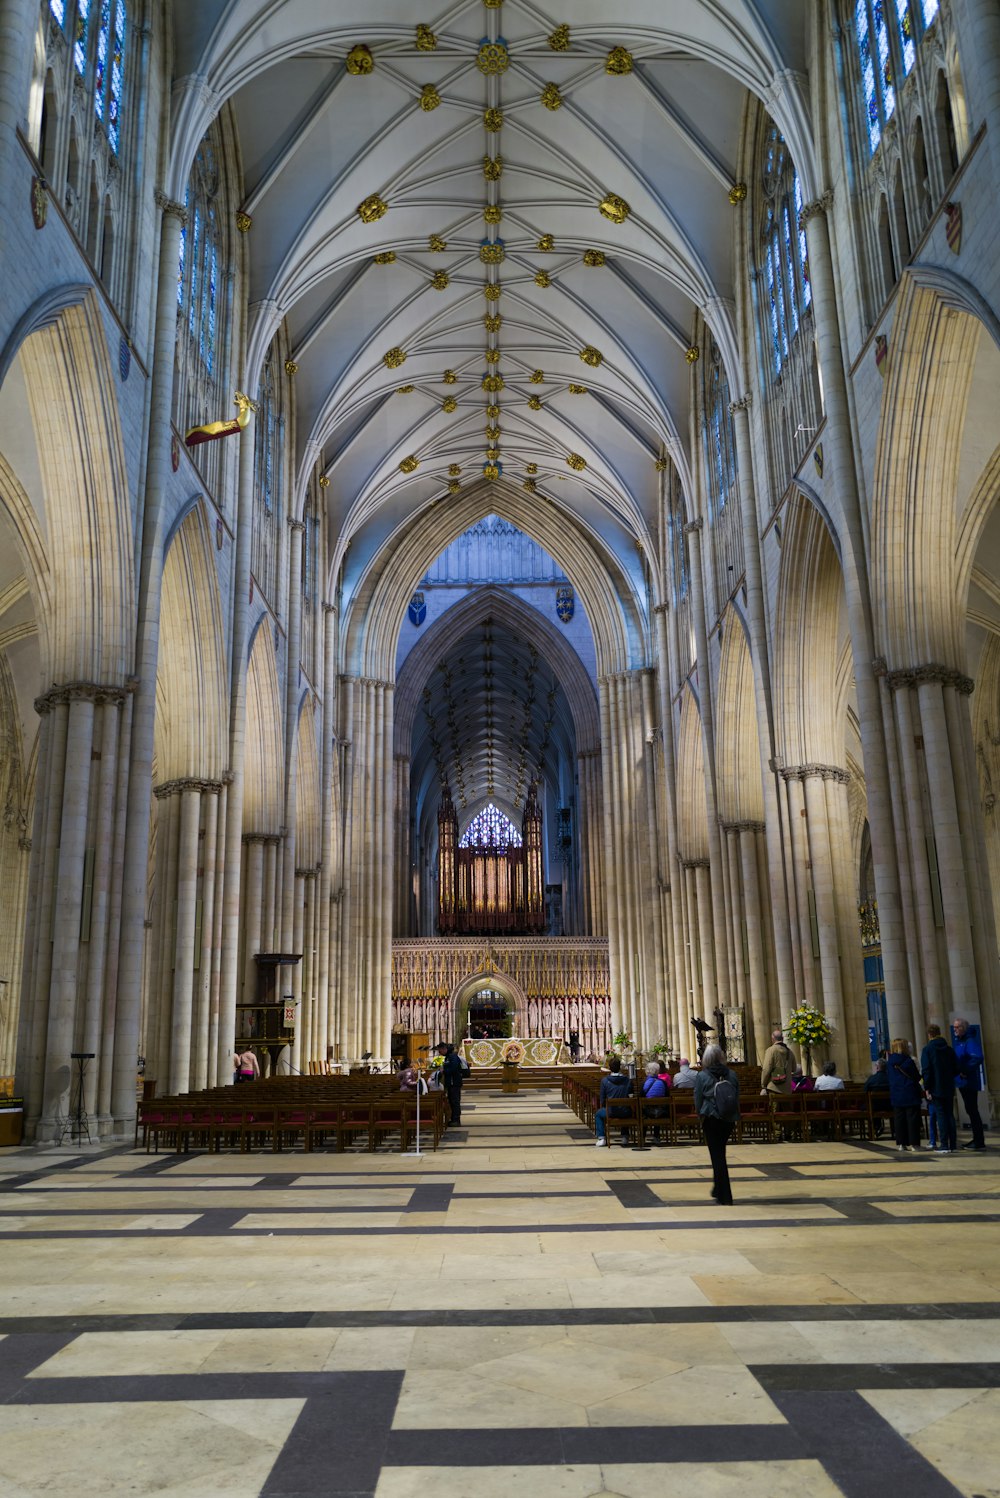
(452, 1074)
(615, 1085)
(939, 1069)
(717, 1124)
(904, 1095)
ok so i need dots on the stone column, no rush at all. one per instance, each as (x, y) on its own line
(255, 843)
(330, 833)
(140, 785)
(104, 834)
(821, 866)
(720, 974)
(748, 834)
(18, 23)
(799, 851)
(229, 971)
(610, 801)
(401, 819)
(204, 1047)
(964, 989)
(760, 661)
(928, 999)
(300, 993)
(187, 896)
(838, 440)
(293, 656)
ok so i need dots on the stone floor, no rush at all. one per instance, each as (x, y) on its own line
(517, 1305)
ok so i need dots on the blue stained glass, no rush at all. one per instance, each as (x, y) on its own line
(776, 333)
(180, 266)
(209, 340)
(101, 66)
(907, 39)
(490, 829)
(117, 76)
(789, 260)
(930, 9)
(807, 294)
(886, 82)
(80, 38)
(58, 9)
(868, 73)
(193, 294)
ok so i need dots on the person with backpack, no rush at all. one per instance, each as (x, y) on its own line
(717, 1099)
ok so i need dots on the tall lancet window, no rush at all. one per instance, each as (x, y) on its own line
(719, 439)
(783, 258)
(97, 30)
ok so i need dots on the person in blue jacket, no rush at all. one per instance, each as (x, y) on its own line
(969, 1055)
(939, 1069)
(617, 1084)
(904, 1095)
(654, 1087)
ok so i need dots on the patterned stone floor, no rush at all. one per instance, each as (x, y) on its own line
(518, 1305)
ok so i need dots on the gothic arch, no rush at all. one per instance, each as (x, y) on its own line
(264, 777)
(740, 795)
(308, 810)
(509, 609)
(808, 705)
(692, 806)
(191, 697)
(936, 470)
(375, 613)
(510, 991)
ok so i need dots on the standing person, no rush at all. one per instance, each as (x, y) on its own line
(247, 1066)
(939, 1069)
(777, 1067)
(717, 1098)
(969, 1055)
(904, 1095)
(617, 1084)
(452, 1075)
(654, 1090)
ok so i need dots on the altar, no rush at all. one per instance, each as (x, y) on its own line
(536, 1051)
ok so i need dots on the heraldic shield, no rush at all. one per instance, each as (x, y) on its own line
(565, 603)
(417, 610)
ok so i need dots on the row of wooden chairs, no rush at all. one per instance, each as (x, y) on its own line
(801, 1115)
(215, 1124)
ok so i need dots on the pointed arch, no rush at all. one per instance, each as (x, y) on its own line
(740, 794)
(264, 779)
(692, 806)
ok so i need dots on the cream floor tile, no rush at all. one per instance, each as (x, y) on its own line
(911, 1411)
(544, 1266)
(489, 1482)
(98, 1354)
(878, 1288)
(457, 1347)
(789, 1289)
(693, 1396)
(723, 1480)
(363, 1348)
(939, 1208)
(506, 1294)
(663, 1261)
(171, 1450)
(265, 1221)
(580, 1373)
(455, 1401)
(648, 1290)
(963, 1441)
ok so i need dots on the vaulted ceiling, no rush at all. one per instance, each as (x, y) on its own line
(488, 229)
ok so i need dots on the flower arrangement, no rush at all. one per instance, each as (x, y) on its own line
(512, 1053)
(659, 1048)
(623, 1040)
(808, 1027)
(436, 1063)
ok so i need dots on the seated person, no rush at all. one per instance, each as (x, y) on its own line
(409, 1079)
(654, 1087)
(879, 1079)
(828, 1081)
(617, 1084)
(802, 1083)
(686, 1075)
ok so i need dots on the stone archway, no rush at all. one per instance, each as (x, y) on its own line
(512, 994)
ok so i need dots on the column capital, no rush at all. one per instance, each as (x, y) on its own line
(309, 873)
(169, 207)
(189, 783)
(930, 673)
(694, 525)
(743, 826)
(98, 692)
(742, 404)
(695, 863)
(814, 772)
(661, 608)
(819, 206)
(330, 608)
(296, 525)
(266, 838)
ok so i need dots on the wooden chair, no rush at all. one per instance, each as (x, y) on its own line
(789, 1115)
(623, 1116)
(684, 1118)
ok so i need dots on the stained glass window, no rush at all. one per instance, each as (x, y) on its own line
(783, 248)
(58, 9)
(198, 260)
(881, 54)
(267, 434)
(719, 430)
(80, 36)
(490, 829)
